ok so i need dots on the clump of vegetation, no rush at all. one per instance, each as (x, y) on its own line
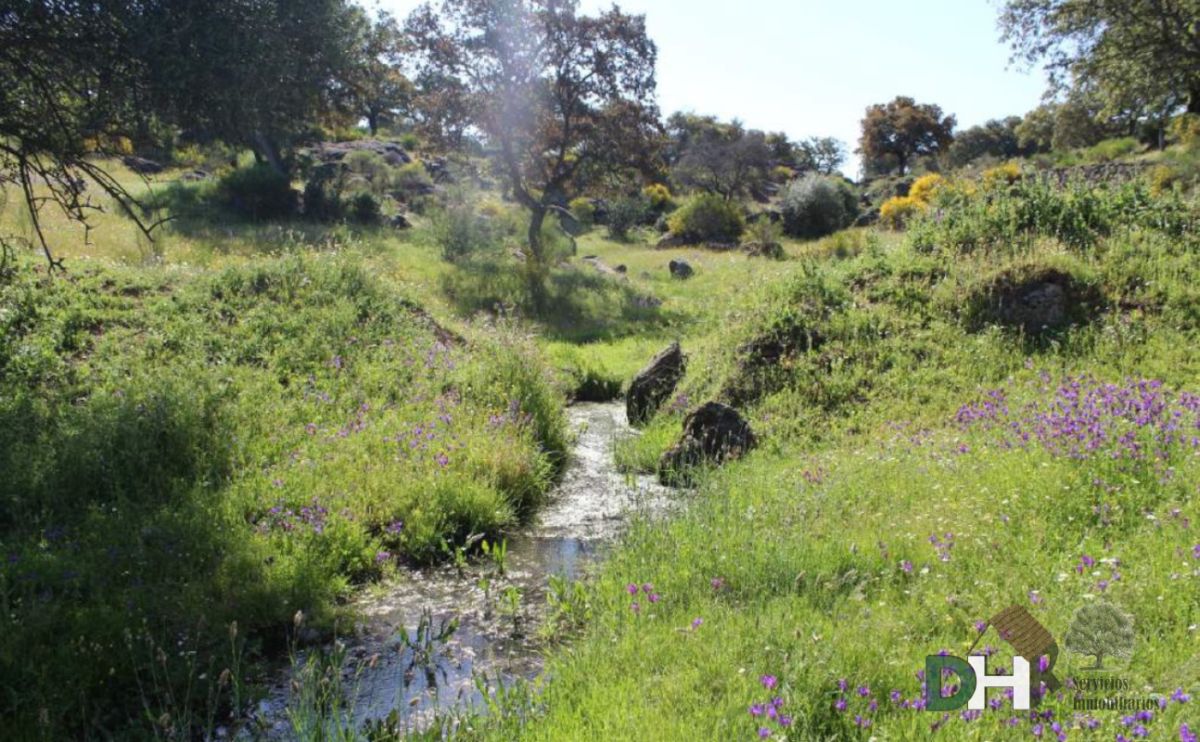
(708, 218)
(624, 214)
(818, 205)
(258, 192)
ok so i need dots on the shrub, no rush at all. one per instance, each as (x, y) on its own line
(411, 179)
(1185, 129)
(584, 211)
(365, 209)
(624, 214)
(659, 198)
(924, 187)
(896, 212)
(460, 232)
(1001, 175)
(366, 171)
(1110, 149)
(708, 218)
(817, 205)
(258, 192)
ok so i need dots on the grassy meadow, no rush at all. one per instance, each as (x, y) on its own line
(205, 435)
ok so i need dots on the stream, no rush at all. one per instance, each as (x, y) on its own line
(392, 662)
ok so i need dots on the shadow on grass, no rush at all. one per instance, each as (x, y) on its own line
(579, 306)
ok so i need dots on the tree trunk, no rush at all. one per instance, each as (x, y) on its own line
(903, 160)
(265, 149)
(1194, 100)
(535, 266)
(373, 122)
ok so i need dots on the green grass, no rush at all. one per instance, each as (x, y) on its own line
(862, 463)
(156, 408)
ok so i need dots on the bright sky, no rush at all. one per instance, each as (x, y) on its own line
(811, 67)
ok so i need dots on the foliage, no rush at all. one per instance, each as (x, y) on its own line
(365, 209)
(378, 91)
(898, 211)
(1137, 56)
(258, 192)
(716, 157)
(904, 129)
(578, 84)
(1185, 129)
(825, 155)
(658, 196)
(584, 211)
(184, 451)
(925, 187)
(816, 205)
(461, 232)
(626, 213)
(708, 218)
(997, 139)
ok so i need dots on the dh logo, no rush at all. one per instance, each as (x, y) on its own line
(1030, 640)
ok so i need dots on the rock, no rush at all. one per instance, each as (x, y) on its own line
(392, 152)
(194, 176)
(772, 250)
(868, 218)
(669, 241)
(142, 166)
(680, 269)
(1038, 307)
(399, 221)
(713, 434)
(654, 384)
(600, 265)
(621, 269)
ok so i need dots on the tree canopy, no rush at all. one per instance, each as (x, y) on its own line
(556, 95)
(903, 129)
(1144, 53)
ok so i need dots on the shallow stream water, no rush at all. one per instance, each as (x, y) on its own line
(498, 617)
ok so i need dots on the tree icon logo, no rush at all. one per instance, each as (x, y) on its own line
(1100, 630)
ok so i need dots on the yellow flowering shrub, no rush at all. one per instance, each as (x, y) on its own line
(658, 195)
(896, 211)
(924, 187)
(1185, 129)
(1162, 179)
(1001, 175)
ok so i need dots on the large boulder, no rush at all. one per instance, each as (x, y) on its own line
(712, 434)
(654, 384)
(680, 269)
(142, 166)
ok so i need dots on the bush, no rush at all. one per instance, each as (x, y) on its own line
(584, 211)
(365, 209)
(896, 212)
(708, 218)
(1110, 149)
(659, 198)
(924, 187)
(624, 214)
(461, 232)
(258, 192)
(1001, 175)
(817, 205)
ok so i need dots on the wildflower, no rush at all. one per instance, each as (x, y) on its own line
(842, 684)
(631, 588)
(395, 527)
(647, 588)
(981, 626)
(442, 460)
(1085, 562)
(696, 623)
(1035, 597)
(756, 709)
(906, 567)
(635, 607)
(717, 583)
(864, 691)
(1043, 663)
(840, 705)
(382, 556)
(769, 681)
(1186, 734)
(654, 598)
(763, 732)
(1179, 696)
(1196, 551)
(784, 720)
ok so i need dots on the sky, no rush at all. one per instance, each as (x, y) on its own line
(811, 67)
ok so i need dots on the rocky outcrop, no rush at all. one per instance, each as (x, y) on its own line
(712, 434)
(392, 152)
(654, 384)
